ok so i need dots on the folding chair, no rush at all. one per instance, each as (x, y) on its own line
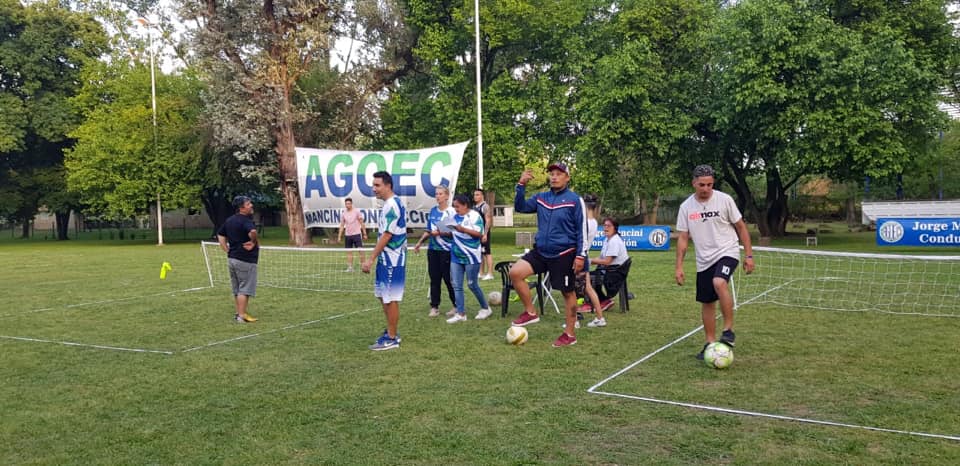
(507, 286)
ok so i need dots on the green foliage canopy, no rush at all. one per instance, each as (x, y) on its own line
(43, 47)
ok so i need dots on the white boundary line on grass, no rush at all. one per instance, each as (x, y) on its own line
(288, 327)
(594, 391)
(105, 301)
(776, 416)
(87, 345)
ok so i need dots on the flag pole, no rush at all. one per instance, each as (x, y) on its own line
(476, 30)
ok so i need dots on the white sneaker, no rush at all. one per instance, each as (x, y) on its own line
(348, 269)
(577, 325)
(452, 312)
(434, 312)
(601, 322)
(457, 318)
(483, 314)
(487, 277)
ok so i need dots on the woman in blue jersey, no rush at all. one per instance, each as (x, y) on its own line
(465, 257)
(438, 251)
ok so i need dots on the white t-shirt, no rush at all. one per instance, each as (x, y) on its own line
(591, 229)
(614, 247)
(710, 225)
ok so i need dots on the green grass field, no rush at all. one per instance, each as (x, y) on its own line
(300, 387)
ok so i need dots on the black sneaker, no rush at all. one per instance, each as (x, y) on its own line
(728, 337)
(700, 354)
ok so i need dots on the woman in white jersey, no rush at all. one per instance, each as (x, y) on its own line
(590, 201)
(613, 255)
(438, 251)
(465, 258)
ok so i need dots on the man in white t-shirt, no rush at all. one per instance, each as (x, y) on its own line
(711, 219)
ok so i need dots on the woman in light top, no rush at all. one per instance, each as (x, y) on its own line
(614, 253)
(438, 251)
(465, 257)
(590, 201)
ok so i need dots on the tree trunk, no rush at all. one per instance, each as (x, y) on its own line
(851, 208)
(25, 229)
(650, 214)
(218, 207)
(63, 225)
(750, 208)
(776, 205)
(289, 184)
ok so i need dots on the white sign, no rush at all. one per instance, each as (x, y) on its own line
(327, 177)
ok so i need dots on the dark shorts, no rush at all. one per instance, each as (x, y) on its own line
(354, 241)
(723, 268)
(485, 246)
(560, 269)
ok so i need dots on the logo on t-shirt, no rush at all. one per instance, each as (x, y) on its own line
(703, 215)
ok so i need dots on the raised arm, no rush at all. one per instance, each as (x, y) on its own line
(520, 202)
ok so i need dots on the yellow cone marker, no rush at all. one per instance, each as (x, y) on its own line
(163, 270)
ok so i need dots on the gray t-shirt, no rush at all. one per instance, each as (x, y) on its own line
(710, 225)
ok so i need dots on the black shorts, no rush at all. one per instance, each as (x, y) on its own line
(354, 241)
(723, 268)
(485, 245)
(560, 269)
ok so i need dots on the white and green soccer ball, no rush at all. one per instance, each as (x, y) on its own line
(718, 355)
(516, 335)
(494, 298)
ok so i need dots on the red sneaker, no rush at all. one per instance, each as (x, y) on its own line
(525, 319)
(604, 305)
(564, 340)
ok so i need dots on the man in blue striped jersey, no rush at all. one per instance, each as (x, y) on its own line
(391, 255)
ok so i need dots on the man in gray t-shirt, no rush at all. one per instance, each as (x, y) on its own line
(711, 219)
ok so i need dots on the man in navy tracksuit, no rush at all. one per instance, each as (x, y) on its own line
(561, 245)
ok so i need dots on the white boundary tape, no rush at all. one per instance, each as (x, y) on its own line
(87, 345)
(288, 327)
(105, 301)
(777, 416)
(594, 390)
(153, 351)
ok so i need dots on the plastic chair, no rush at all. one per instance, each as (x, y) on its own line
(615, 274)
(507, 286)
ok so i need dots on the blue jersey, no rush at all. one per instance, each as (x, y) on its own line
(561, 221)
(466, 248)
(439, 243)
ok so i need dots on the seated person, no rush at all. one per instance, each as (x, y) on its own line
(613, 254)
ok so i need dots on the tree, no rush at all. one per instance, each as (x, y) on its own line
(255, 55)
(637, 100)
(121, 160)
(799, 91)
(531, 53)
(43, 48)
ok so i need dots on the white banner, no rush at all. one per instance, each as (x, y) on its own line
(327, 177)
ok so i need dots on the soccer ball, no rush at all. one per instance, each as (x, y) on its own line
(516, 335)
(494, 298)
(718, 355)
